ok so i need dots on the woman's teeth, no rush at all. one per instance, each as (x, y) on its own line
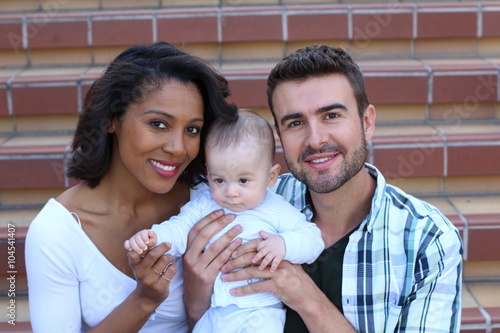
(161, 166)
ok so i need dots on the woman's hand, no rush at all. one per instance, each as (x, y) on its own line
(153, 272)
(201, 266)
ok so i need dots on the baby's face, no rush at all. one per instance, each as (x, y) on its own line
(238, 176)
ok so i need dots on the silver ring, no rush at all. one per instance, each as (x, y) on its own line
(249, 281)
(157, 273)
(166, 278)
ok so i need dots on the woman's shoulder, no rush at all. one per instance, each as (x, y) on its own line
(53, 222)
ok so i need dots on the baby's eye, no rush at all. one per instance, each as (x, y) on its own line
(219, 180)
(244, 180)
(193, 130)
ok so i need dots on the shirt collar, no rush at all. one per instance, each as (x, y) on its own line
(378, 197)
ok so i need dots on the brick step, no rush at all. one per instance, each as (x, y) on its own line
(239, 30)
(15, 318)
(481, 296)
(102, 5)
(424, 159)
(444, 91)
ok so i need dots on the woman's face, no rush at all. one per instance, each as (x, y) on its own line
(158, 137)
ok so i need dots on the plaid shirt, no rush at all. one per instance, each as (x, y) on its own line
(402, 267)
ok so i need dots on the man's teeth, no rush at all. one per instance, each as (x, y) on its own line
(320, 160)
(161, 166)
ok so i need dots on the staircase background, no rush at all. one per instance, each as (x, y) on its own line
(432, 70)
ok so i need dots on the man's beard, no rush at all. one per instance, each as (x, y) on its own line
(325, 182)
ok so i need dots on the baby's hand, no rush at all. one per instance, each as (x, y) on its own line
(271, 250)
(142, 241)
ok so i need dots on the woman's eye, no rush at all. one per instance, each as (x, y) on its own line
(158, 123)
(193, 130)
(244, 180)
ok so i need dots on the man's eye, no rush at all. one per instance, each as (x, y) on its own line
(244, 180)
(295, 123)
(332, 115)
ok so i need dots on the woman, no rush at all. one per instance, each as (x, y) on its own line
(137, 149)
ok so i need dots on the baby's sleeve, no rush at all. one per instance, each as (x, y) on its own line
(302, 238)
(176, 229)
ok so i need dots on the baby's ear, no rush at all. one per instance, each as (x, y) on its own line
(273, 175)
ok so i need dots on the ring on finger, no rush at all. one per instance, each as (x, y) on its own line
(166, 278)
(158, 273)
(167, 267)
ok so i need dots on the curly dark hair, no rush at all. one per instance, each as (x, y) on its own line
(132, 75)
(314, 61)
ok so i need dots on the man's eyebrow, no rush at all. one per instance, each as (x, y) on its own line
(331, 107)
(323, 109)
(290, 116)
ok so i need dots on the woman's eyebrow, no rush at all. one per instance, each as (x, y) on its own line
(166, 114)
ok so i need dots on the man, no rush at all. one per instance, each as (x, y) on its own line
(392, 263)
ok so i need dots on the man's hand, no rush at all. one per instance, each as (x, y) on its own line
(289, 283)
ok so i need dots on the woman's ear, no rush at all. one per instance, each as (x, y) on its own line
(273, 175)
(112, 125)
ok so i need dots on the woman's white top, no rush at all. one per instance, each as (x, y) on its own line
(73, 287)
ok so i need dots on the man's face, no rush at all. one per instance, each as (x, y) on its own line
(323, 137)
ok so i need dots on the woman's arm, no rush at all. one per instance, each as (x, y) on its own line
(54, 290)
(201, 266)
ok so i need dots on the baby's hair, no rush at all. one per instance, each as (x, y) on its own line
(248, 127)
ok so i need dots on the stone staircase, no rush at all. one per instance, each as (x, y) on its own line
(432, 71)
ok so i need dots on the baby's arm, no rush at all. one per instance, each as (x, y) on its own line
(142, 241)
(271, 250)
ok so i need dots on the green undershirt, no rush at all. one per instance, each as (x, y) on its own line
(326, 272)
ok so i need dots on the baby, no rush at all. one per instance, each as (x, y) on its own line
(239, 160)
